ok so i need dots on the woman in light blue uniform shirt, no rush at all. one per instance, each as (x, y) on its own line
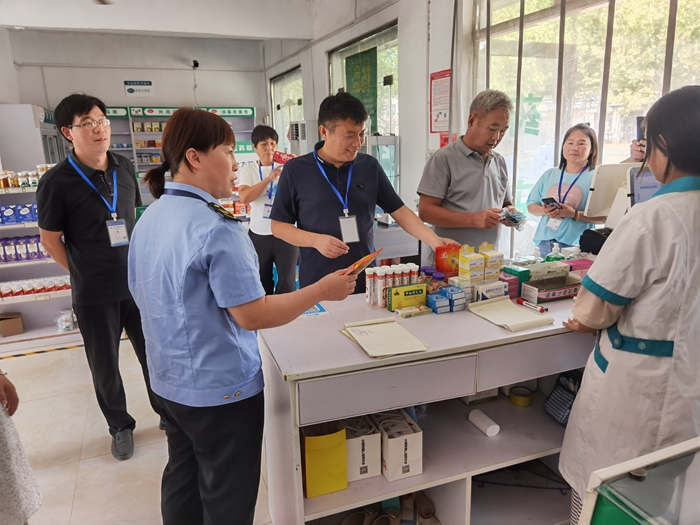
(194, 274)
(569, 185)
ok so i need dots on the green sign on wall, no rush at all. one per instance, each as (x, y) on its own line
(361, 80)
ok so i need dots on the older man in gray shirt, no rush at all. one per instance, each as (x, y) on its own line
(465, 185)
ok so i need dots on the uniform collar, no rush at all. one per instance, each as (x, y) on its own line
(319, 145)
(191, 189)
(88, 171)
(688, 183)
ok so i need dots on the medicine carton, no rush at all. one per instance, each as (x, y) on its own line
(491, 273)
(437, 301)
(453, 293)
(548, 270)
(8, 214)
(490, 291)
(447, 259)
(405, 295)
(442, 310)
(476, 275)
(364, 449)
(469, 260)
(23, 212)
(459, 282)
(545, 290)
(492, 258)
(579, 267)
(402, 452)
(458, 307)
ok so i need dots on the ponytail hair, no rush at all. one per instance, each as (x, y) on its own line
(187, 128)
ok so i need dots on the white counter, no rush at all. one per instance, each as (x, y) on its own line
(314, 373)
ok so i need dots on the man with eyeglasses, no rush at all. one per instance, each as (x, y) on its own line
(86, 206)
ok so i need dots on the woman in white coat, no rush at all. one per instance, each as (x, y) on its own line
(641, 388)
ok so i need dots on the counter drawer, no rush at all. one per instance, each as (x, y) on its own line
(510, 364)
(370, 391)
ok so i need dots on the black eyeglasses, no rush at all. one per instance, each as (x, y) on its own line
(92, 124)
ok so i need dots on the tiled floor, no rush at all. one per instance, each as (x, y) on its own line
(66, 439)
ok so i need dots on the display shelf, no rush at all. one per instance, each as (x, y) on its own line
(8, 191)
(36, 297)
(455, 449)
(19, 226)
(149, 149)
(39, 338)
(148, 132)
(150, 163)
(33, 262)
(120, 133)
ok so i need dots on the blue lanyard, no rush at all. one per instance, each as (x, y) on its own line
(561, 179)
(113, 208)
(269, 193)
(212, 205)
(335, 190)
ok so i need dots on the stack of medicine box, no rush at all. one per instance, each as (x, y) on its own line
(438, 302)
(457, 298)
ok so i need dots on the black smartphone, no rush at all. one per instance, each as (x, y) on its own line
(549, 201)
(641, 128)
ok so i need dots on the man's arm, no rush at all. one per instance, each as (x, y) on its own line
(276, 310)
(327, 245)
(54, 245)
(412, 225)
(431, 211)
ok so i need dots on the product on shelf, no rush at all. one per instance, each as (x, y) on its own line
(148, 127)
(34, 286)
(138, 127)
(66, 321)
(18, 213)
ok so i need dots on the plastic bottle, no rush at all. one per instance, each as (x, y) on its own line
(405, 274)
(389, 273)
(555, 255)
(413, 272)
(577, 253)
(380, 287)
(538, 255)
(369, 286)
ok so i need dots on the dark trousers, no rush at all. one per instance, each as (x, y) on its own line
(101, 326)
(213, 469)
(284, 255)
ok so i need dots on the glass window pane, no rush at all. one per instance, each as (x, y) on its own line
(538, 87)
(636, 71)
(584, 51)
(686, 50)
(504, 10)
(386, 43)
(287, 92)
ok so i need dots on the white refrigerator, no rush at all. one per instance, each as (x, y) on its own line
(28, 136)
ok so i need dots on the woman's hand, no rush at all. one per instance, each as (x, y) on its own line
(551, 211)
(567, 212)
(577, 326)
(8, 395)
(443, 241)
(274, 174)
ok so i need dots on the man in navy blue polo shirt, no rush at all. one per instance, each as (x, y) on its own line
(326, 199)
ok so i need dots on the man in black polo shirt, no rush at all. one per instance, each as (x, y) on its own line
(89, 199)
(333, 186)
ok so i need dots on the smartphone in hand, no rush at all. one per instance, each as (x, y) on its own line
(641, 128)
(549, 201)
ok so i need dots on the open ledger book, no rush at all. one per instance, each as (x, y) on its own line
(503, 312)
(383, 337)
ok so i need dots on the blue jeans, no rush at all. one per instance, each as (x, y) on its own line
(546, 247)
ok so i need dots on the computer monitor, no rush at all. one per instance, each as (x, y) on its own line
(642, 185)
(607, 181)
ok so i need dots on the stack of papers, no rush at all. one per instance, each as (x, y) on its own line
(502, 312)
(383, 337)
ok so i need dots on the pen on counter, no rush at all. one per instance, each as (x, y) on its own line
(531, 306)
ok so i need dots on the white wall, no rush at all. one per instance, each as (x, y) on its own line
(9, 91)
(231, 18)
(338, 22)
(52, 65)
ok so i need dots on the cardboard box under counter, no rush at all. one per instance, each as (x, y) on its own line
(11, 324)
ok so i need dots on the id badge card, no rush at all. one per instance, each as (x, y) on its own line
(348, 229)
(117, 233)
(267, 210)
(553, 224)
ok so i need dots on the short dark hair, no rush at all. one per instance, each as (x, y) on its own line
(187, 128)
(263, 132)
(75, 105)
(592, 138)
(673, 127)
(342, 106)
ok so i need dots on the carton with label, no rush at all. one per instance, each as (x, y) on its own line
(492, 258)
(402, 444)
(552, 289)
(364, 448)
(469, 260)
(405, 295)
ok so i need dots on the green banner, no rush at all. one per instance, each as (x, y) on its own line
(361, 80)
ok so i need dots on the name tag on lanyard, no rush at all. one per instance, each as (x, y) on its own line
(348, 223)
(118, 236)
(116, 229)
(554, 224)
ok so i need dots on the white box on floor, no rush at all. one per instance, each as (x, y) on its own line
(364, 451)
(402, 456)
